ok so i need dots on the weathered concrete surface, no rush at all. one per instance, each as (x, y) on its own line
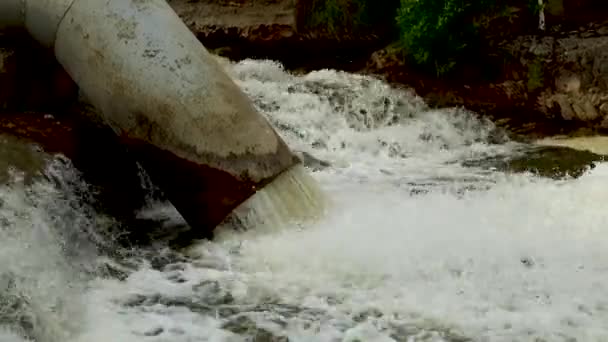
(193, 129)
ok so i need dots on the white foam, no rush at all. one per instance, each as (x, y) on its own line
(292, 198)
(7, 335)
(523, 259)
(43, 283)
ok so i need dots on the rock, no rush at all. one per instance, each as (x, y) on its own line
(384, 59)
(602, 31)
(30, 140)
(568, 82)
(543, 48)
(604, 108)
(31, 79)
(579, 111)
(604, 123)
(249, 20)
(312, 162)
(7, 77)
(567, 112)
(582, 78)
(22, 156)
(269, 29)
(557, 81)
(245, 326)
(546, 161)
(590, 111)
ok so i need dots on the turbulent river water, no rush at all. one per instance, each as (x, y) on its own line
(423, 239)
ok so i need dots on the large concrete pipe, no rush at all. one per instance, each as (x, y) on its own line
(191, 127)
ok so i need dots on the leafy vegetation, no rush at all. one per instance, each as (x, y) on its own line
(535, 75)
(439, 34)
(436, 35)
(351, 17)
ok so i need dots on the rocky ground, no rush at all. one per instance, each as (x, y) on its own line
(543, 84)
(551, 84)
(268, 29)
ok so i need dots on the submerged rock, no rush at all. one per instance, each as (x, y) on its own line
(312, 162)
(20, 158)
(546, 161)
(28, 141)
(244, 326)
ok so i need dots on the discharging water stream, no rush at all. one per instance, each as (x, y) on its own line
(428, 236)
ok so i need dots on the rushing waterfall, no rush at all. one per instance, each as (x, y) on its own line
(427, 235)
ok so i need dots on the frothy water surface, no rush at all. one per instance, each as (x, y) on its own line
(416, 246)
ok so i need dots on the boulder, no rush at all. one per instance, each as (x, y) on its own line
(28, 140)
(31, 79)
(577, 77)
(555, 83)
(7, 77)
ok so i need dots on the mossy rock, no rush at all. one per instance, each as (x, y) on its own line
(545, 161)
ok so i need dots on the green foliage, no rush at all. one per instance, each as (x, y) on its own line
(436, 34)
(535, 75)
(332, 15)
(350, 17)
(534, 7)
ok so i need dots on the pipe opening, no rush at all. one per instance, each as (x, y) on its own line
(293, 199)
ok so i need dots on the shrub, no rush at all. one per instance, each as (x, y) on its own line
(435, 34)
(349, 17)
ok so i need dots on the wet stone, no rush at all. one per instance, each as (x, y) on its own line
(175, 267)
(367, 314)
(159, 261)
(177, 278)
(312, 162)
(138, 300)
(244, 326)
(545, 161)
(187, 303)
(109, 271)
(266, 106)
(410, 332)
(527, 262)
(15, 312)
(211, 293)
(154, 332)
